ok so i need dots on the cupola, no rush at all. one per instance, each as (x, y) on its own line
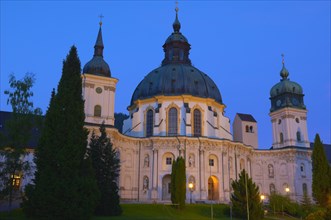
(97, 65)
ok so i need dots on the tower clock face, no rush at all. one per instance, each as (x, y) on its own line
(279, 102)
(295, 101)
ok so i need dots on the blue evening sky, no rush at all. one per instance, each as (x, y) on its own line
(238, 44)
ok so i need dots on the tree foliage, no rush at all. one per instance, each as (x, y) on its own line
(178, 183)
(321, 173)
(106, 166)
(64, 186)
(16, 134)
(244, 188)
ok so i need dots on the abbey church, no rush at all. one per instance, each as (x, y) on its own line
(177, 110)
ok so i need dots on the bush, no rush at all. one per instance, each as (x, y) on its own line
(317, 215)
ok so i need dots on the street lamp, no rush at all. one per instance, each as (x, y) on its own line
(190, 186)
(287, 190)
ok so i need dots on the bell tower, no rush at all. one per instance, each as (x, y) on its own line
(288, 113)
(98, 87)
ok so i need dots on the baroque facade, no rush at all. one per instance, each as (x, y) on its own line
(177, 110)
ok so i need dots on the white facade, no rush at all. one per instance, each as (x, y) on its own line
(289, 128)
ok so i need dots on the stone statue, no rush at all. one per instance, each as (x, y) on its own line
(146, 161)
(145, 186)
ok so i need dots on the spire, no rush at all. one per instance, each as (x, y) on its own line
(284, 72)
(176, 24)
(98, 47)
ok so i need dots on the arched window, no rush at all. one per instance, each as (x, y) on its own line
(197, 123)
(149, 123)
(251, 129)
(303, 170)
(172, 122)
(281, 136)
(97, 111)
(247, 128)
(298, 136)
(272, 188)
(304, 188)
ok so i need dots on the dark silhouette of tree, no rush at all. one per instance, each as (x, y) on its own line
(64, 185)
(178, 183)
(119, 120)
(245, 189)
(106, 166)
(321, 173)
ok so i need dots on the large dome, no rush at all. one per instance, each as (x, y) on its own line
(174, 80)
(176, 76)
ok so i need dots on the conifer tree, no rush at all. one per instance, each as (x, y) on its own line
(64, 187)
(321, 173)
(174, 197)
(241, 187)
(178, 183)
(106, 166)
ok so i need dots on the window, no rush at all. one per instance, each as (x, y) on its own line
(211, 162)
(251, 129)
(302, 170)
(281, 136)
(197, 123)
(168, 160)
(272, 189)
(149, 123)
(97, 111)
(16, 182)
(172, 122)
(298, 136)
(247, 128)
(304, 188)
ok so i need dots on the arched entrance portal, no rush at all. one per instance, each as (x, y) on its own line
(166, 187)
(213, 188)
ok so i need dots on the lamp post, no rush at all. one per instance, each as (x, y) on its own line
(190, 186)
(287, 190)
(262, 200)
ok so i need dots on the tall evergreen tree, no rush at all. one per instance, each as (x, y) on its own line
(106, 165)
(241, 187)
(178, 182)
(16, 136)
(64, 184)
(321, 173)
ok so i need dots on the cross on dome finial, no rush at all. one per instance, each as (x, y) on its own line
(176, 24)
(284, 72)
(101, 17)
(283, 61)
(176, 9)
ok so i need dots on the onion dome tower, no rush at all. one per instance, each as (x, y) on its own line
(98, 87)
(178, 87)
(288, 113)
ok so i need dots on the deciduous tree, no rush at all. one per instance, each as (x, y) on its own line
(16, 135)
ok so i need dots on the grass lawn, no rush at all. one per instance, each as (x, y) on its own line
(151, 211)
(166, 212)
